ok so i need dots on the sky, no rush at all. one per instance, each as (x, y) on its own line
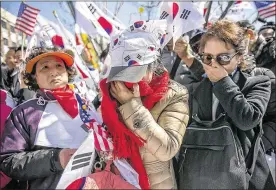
(128, 12)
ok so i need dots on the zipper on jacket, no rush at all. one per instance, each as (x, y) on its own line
(182, 161)
(236, 148)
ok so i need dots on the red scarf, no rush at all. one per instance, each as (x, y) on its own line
(126, 144)
(67, 100)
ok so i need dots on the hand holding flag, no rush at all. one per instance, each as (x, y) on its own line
(182, 17)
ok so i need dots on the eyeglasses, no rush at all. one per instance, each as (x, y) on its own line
(222, 59)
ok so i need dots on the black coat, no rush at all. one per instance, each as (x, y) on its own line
(269, 120)
(244, 99)
(10, 82)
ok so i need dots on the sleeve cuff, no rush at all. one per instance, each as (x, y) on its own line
(55, 160)
(224, 83)
(129, 108)
(221, 87)
(197, 68)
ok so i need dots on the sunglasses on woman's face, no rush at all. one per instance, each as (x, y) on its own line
(222, 59)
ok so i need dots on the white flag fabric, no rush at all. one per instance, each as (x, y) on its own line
(84, 23)
(168, 11)
(71, 44)
(110, 26)
(70, 41)
(54, 32)
(80, 164)
(238, 11)
(117, 24)
(39, 38)
(127, 172)
(186, 17)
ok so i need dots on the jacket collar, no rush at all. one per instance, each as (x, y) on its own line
(46, 95)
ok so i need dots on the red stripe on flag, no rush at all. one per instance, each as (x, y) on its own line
(26, 23)
(103, 140)
(100, 130)
(82, 73)
(30, 15)
(267, 8)
(35, 9)
(267, 15)
(24, 27)
(24, 17)
(97, 144)
(23, 30)
(34, 12)
(267, 12)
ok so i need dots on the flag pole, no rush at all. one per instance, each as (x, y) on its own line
(65, 35)
(22, 46)
(208, 14)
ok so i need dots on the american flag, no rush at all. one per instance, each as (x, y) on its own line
(266, 8)
(102, 139)
(26, 19)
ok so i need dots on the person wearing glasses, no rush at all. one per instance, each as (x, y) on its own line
(221, 87)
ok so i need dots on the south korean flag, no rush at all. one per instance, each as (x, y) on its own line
(80, 164)
(188, 18)
(182, 17)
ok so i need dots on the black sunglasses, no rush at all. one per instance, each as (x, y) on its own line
(222, 59)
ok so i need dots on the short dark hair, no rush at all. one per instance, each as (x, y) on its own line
(268, 25)
(246, 24)
(12, 48)
(29, 78)
(20, 48)
(228, 32)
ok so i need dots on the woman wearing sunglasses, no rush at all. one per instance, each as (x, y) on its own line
(222, 88)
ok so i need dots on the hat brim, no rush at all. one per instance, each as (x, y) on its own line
(68, 59)
(132, 74)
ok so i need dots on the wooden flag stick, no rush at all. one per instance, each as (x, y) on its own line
(22, 46)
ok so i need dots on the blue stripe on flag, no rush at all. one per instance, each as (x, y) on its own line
(263, 4)
(21, 9)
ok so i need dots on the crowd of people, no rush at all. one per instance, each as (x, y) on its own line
(199, 114)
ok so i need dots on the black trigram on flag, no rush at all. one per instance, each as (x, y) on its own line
(81, 160)
(127, 58)
(185, 14)
(139, 57)
(164, 15)
(92, 8)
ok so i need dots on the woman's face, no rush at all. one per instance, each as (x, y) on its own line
(10, 61)
(51, 73)
(215, 47)
(18, 58)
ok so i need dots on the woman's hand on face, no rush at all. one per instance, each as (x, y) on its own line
(215, 71)
(119, 91)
